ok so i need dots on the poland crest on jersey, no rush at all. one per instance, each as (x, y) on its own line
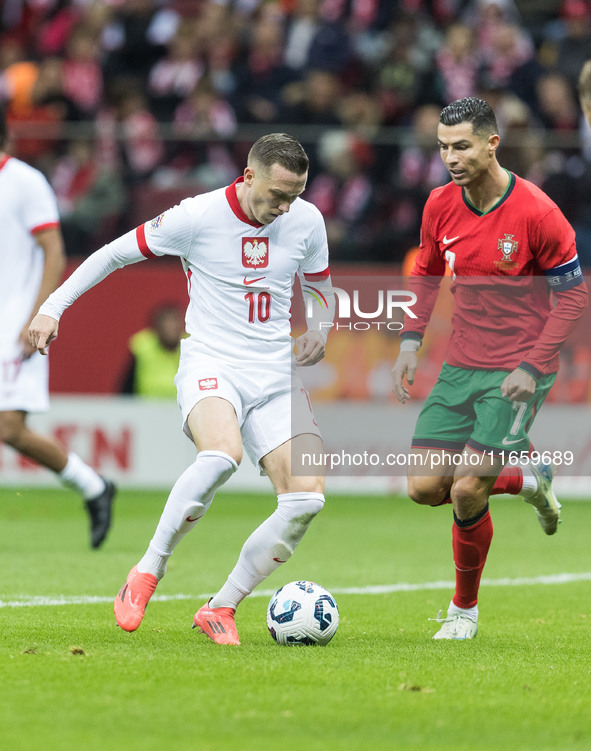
(255, 252)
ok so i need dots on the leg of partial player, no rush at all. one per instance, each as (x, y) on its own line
(96, 492)
(299, 499)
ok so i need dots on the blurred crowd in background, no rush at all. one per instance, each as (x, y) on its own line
(129, 105)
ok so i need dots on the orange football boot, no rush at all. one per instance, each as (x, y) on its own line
(134, 595)
(217, 623)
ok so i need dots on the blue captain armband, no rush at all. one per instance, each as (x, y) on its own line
(565, 276)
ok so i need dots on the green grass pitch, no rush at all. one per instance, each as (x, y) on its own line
(71, 680)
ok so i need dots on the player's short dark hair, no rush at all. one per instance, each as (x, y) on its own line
(282, 149)
(3, 130)
(585, 85)
(471, 110)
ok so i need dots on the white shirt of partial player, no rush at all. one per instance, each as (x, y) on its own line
(27, 204)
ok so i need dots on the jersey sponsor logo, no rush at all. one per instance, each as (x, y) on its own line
(255, 252)
(447, 241)
(252, 281)
(206, 384)
(508, 246)
(156, 222)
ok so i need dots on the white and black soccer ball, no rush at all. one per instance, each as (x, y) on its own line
(302, 613)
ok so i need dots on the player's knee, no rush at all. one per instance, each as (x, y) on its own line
(303, 485)
(234, 451)
(426, 491)
(299, 509)
(215, 468)
(466, 490)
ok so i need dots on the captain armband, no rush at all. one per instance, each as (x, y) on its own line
(565, 276)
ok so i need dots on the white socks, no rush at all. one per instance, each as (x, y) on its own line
(188, 501)
(530, 482)
(471, 613)
(269, 546)
(79, 476)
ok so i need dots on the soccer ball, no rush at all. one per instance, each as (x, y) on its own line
(302, 613)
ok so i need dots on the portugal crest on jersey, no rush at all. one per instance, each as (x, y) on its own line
(508, 246)
(255, 252)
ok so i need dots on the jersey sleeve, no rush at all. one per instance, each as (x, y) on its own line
(117, 254)
(168, 234)
(40, 207)
(316, 259)
(557, 257)
(556, 252)
(563, 319)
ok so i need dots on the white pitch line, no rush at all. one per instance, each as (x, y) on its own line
(379, 589)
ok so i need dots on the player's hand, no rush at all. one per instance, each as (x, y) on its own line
(43, 329)
(309, 348)
(518, 386)
(26, 348)
(405, 365)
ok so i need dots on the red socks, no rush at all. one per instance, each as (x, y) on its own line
(509, 481)
(471, 540)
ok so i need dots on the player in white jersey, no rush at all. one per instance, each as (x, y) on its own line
(241, 248)
(32, 260)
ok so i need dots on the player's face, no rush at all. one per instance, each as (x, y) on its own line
(467, 155)
(270, 192)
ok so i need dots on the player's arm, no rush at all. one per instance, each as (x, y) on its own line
(319, 305)
(572, 298)
(168, 234)
(51, 243)
(94, 269)
(557, 257)
(424, 282)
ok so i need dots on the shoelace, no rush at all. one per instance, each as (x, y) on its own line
(448, 618)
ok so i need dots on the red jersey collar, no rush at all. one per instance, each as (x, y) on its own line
(235, 205)
(4, 159)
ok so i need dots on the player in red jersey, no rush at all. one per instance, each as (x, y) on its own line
(507, 245)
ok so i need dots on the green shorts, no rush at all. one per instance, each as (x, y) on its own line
(465, 408)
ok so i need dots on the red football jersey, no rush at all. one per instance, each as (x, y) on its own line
(504, 263)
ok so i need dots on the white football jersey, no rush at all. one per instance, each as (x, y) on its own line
(27, 205)
(240, 274)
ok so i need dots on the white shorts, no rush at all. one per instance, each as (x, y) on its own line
(272, 406)
(24, 384)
